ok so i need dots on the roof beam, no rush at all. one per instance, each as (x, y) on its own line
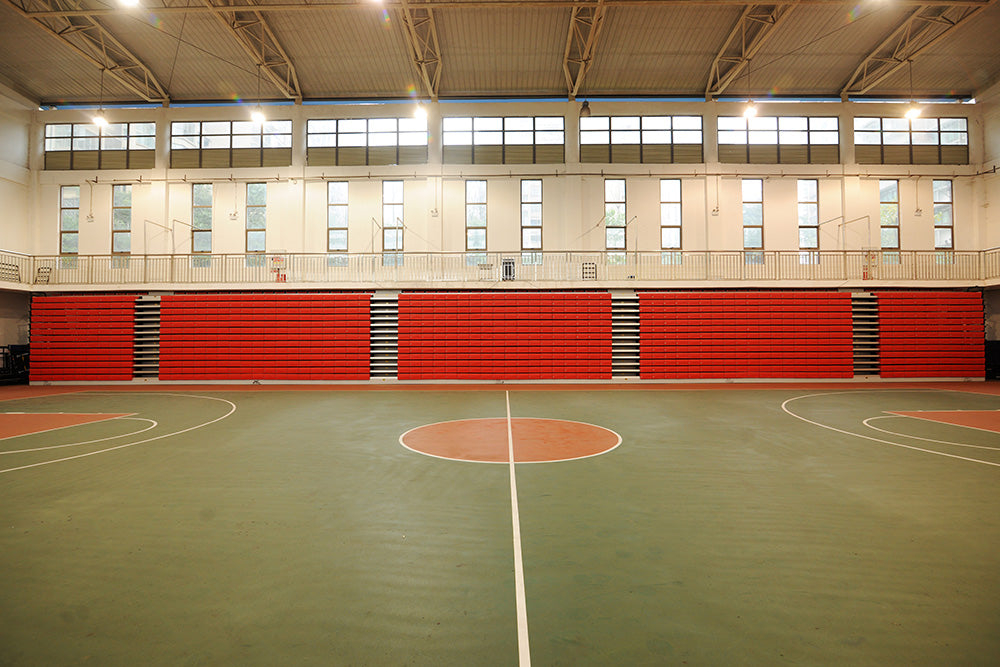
(94, 42)
(422, 38)
(755, 26)
(253, 33)
(581, 40)
(922, 29)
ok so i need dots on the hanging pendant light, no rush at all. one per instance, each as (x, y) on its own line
(913, 111)
(99, 119)
(257, 115)
(751, 110)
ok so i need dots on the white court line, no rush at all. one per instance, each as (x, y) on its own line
(86, 442)
(868, 437)
(140, 442)
(914, 416)
(523, 650)
(916, 437)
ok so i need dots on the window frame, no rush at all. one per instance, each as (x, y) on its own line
(396, 223)
(470, 206)
(608, 203)
(248, 209)
(64, 233)
(135, 133)
(115, 207)
(195, 207)
(331, 207)
(531, 254)
(752, 202)
(948, 205)
(887, 205)
(643, 128)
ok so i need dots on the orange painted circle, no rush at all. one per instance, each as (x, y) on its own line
(486, 441)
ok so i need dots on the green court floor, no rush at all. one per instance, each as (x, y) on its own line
(731, 527)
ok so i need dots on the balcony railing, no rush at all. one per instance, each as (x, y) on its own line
(968, 267)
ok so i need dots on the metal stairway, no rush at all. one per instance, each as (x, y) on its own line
(624, 333)
(864, 321)
(146, 338)
(384, 341)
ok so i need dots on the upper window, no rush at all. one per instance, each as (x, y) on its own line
(888, 198)
(361, 141)
(779, 139)
(753, 218)
(635, 139)
(336, 216)
(201, 217)
(121, 219)
(944, 223)
(511, 140)
(392, 216)
(911, 141)
(69, 219)
(223, 143)
(475, 215)
(256, 217)
(87, 146)
(615, 222)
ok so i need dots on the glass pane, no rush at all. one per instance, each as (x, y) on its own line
(392, 239)
(624, 137)
(753, 189)
(889, 214)
(656, 137)
(518, 138)
(954, 124)
(828, 138)
(549, 123)
(809, 238)
(925, 138)
(321, 126)
(177, 129)
(670, 189)
(924, 124)
(337, 217)
(614, 215)
(550, 138)
(789, 123)
(278, 141)
(868, 138)
(531, 191)
(382, 139)
(808, 215)
(763, 137)
(382, 125)
(874, 124)
(256, 217)
(475, 215)
(392, 215)
(201, 242)
(753, 237)
(336, 192)
(761, 123)
(888, 191)
(531, 238)
(753, 214)
(531, 215)
(656, 122)
(615, 238)
(670, 215)
(220, 141)
(793, 138)
(625, 123)
(86, 130)
(121, 242)
(890, 237)
(60, 130)
(595, 137)
(246, 127)
(256, 194)
(392, 192)
(895, 124)
(70, 220)
(487, 124)
(69, 243)
(412, 124)
(943, 238)
(353, 139)
(456, 124)
(687, 137)
(954, 138)
(352, 126)
(732, 123)
(895, 138)
(86, 143)
(183, 143)
(670, 237)
(58, 144)
(202, 194)
(246, 141)
(732, 137)
(216, 127)
(487, 138)
(142, 143)
(513, 124)
(413, 138)
(614, 190)
(337, 239)
(121, 219)
(457, 138)
(942, 191)
(201, 218)
(255, 241)
(475, 192)
(808, 190)
(70, 196)
(475, 239)
(942, 215)
(595, 123)
(687, 122)
(121, 195)
(115, 130)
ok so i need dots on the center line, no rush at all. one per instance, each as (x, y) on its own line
(524, 653)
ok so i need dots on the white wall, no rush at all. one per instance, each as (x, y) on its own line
(15, 175)
(573, 203)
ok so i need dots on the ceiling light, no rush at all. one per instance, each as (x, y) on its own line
(585, 109)
(750, 111)
(258, 116)
(913, 111)
(99, 119)
(129, 3)
(420, 113)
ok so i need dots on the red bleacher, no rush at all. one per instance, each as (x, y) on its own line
(264, 336)
(81, 337)
(690, 335)
(931, 334)
(504, 336)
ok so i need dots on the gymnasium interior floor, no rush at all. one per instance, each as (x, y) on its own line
(837, 523)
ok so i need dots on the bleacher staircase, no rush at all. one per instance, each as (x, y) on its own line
(146, 338)
(864, 321)
(384, 335)
(624, 333)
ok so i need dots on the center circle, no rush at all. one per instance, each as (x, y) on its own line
(534, 440)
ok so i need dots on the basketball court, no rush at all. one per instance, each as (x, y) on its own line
(829, 523)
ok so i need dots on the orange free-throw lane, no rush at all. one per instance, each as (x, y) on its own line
(985, 420)
(16, 423)
(535, 440)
